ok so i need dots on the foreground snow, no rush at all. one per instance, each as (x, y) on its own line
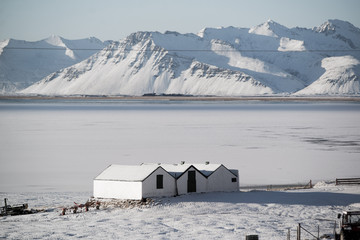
(199, 216)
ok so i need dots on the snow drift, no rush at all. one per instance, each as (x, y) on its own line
(266, 59)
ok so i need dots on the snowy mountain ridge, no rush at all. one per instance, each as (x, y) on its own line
(22, 62)
(266, 59)
(344, 31)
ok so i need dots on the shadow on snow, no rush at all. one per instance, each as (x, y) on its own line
(267, 197)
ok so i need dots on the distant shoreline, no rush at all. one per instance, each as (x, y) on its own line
(190, 98)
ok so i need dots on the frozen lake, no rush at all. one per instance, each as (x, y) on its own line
(61, 145)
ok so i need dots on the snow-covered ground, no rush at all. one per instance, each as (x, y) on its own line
(52, 149)
(62, 145)
(198, 216)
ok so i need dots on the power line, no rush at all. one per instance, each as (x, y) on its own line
(58, 49)
(185, 50)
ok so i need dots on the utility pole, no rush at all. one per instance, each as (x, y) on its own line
(5, 199)
(298, 236)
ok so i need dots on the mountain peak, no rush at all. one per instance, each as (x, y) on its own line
(208, 30)
(43, 58)
(332, 25)
(271, 22)
(137, 37)
(269, 28)
(55, 40)
(341, 30)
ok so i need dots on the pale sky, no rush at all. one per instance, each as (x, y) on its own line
(34, 20)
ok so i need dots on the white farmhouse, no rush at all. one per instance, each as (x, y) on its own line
(134, 182)
(163, 180)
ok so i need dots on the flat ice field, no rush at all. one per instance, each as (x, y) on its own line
(62, 145)
(198, 216)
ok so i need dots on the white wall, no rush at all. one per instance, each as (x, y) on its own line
(149, 185)
(117, 189)
(201, 182)
(220, 180)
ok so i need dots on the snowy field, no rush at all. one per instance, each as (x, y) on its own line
(61, 145)
(198, 216)
(51, 151)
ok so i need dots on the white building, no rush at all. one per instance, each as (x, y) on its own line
(163, 180)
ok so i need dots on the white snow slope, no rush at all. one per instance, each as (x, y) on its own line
(23, 63)
(270, 215)
(267, 59)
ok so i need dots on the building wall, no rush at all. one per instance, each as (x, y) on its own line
(201, 182)
(221, 180)
(117, 189)
(149, 187)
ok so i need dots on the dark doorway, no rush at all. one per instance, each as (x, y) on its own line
(159, 181)
(191, 181)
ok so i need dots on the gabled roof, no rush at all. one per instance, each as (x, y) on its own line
(207, 169)
(127, 172)
(178, 169)
(138, 173)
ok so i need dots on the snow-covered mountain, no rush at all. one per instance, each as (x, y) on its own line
(23, 63)
(266, 59)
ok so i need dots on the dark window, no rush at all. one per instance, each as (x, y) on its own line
(233, 179)
(159, 181)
